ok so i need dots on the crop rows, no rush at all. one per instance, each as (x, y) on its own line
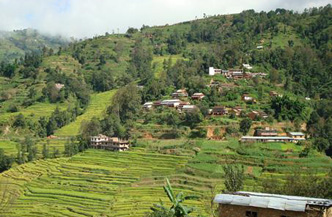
(90, 184)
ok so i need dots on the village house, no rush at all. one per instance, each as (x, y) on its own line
(296, 135)
(259, 47)
(256, 74)
(251, 204)
(188, 108)
(156, 104)
(213, 71)
(213, 83)
(267, 131)
(182, 103)
(247, 98)
(275, 94)
(253, 139)
(254, 115)
(219, 110)
(180, 93)
(59, 86)
(148, 105)
(109, 143)
(197, 96)
(247, 66)
(174, 103)
(236, 110)
(235, 74)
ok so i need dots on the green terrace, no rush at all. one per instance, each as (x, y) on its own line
(99, 182)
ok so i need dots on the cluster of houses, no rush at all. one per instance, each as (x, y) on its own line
(252, 204)
(184, 106)
(236, 73)
(271, 135)
(109, 143)
(176, 102)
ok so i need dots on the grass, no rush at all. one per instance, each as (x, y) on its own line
(159, 60)
(34, 112)
(65, 62)
(98, 104)
(9, 147)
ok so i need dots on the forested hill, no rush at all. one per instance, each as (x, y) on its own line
(15, 44)
(293, 49)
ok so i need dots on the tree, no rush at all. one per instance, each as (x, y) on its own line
(301, 183)
(5, 161)
(177, 209)
(274, 76)
(126, 103)
(245, 125)
(19, 121)
(56, 153)
(45, 151)
(26, 150)
(71, 148)
(193, 118)
(234, 177)
(321, 144)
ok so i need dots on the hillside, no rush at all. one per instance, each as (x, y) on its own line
(273, 73)
(15, 44)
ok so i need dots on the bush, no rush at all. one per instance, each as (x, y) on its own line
(13, 108)
(198, 133)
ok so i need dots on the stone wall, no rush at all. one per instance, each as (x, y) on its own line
(240, 211)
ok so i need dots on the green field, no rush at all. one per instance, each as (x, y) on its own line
(8, 146)
(159, 60)
(104, 183)
(98, 104)
(95, 183)
(34, 112)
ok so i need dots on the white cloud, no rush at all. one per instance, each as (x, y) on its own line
(86, 18)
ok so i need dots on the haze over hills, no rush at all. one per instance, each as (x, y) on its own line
(15, 44)
(51, 102)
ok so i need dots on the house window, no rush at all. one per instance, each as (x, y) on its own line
(251, 214)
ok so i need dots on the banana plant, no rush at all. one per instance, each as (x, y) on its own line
(177, 208)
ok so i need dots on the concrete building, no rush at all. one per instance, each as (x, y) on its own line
(247, 66)
(251, 204)
(257, 114)
(219, 110)
(180, 93)
(296, 135)
(148, 105)
(267, 131)
(213, 71)
(188, 108)
(197, 96)
(59, 86)
(109, 143)
(171, 103)
(267, 139)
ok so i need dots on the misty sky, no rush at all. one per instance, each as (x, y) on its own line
(87, 18)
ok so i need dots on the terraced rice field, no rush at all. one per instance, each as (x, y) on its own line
(104, 183)
(9, 147)
(98, 104)
(95, 183)
(34, 112)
